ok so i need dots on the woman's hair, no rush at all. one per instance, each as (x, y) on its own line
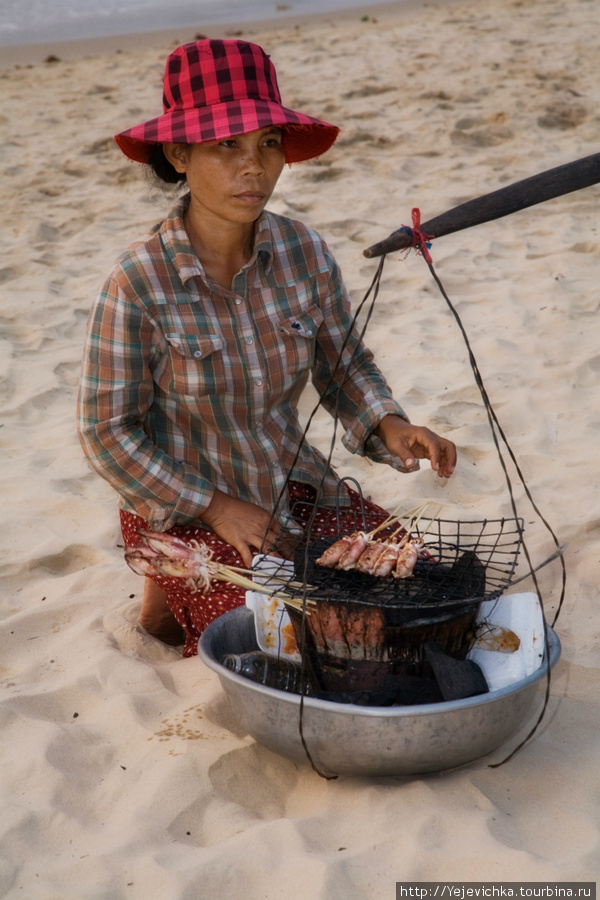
(162, 168)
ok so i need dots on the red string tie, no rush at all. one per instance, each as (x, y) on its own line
(421, 242)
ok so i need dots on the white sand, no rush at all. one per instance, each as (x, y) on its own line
(123, 773)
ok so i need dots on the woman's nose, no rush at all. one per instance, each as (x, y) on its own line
(252, 161)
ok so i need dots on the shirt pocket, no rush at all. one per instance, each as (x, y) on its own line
(196, 363)
(300, 338)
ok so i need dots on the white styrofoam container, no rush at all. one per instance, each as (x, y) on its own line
(274, 630)
(522, 614)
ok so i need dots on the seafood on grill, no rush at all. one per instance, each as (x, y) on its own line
(333, 554)
(160, 553)
(380, 558)
(353, 552)
(407, 558)
(394, 556)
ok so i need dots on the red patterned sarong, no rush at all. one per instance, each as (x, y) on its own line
(193, 610)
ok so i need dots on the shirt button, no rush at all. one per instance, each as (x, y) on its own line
(309, 333)
(259, 381)
(249, 340)
(238, 301)
(198, 354)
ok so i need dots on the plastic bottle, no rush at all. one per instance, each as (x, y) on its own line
(282, 674)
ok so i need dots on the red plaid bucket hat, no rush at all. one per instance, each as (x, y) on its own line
(214, 90)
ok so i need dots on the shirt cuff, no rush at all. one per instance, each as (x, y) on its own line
(193, 500)
(359, 438)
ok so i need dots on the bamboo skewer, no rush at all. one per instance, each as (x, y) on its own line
(413, 524)
(392, 519)
(431, 521)
(230, 575)
(263, 574)
(409, 530)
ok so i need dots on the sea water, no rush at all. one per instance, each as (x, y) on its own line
(37, 21)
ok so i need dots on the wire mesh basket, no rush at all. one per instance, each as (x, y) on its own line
(356, 629)
(459, 560)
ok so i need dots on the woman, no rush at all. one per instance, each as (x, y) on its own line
(205, 333)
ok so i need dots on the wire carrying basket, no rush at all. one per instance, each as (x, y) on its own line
(459, 560)
(355, 630)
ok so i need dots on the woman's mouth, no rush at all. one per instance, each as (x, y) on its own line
(250, 197)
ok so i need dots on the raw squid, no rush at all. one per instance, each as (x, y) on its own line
(164, 554)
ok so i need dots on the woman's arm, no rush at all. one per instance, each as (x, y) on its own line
(411, 442)
(116, 392)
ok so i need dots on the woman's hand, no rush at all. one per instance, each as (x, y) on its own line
(412, 442)
(241, 524)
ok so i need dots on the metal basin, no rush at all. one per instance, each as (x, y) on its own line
(344, 739)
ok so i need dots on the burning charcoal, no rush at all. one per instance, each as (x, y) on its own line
(465, 579)
(469, 573)
(456, 678)
(304, 561)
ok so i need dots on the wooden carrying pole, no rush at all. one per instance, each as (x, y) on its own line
(553, 183)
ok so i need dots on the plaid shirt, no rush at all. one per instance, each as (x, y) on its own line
(187, 386)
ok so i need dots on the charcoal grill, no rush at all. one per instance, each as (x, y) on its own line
(361, 630)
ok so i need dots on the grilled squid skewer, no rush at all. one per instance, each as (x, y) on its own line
(164, 554)
(333, 554)
(354, 551)
(386, 562)
(407, 558)
(345, 552)
(380, 558)
(368, 559)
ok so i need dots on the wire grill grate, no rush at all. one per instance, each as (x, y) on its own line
(461, 560)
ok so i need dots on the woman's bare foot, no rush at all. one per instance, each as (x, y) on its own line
(156, 617)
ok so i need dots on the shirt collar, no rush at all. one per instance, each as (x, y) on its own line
(177, 243)
(179, 249)
(263, 241)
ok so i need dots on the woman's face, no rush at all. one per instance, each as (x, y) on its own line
(231, 179)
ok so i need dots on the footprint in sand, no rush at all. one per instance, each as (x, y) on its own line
(477, 131)
(247, 787)
(563, 117)
(369, 90)
(73, 558)
(9, 273)
(122, 625)
(254, 778)
(101, 147)
(68, 373)
(330, 173)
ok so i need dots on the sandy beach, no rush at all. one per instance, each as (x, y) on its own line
(124, 774)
